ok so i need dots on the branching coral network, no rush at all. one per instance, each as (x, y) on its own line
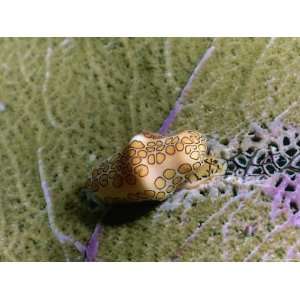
(90, 250)
(180, 100)
(282, 188)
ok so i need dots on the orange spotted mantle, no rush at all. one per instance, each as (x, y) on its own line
(152, 167)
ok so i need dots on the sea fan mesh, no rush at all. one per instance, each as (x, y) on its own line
(80, 100)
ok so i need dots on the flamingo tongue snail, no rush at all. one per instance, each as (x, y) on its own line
(152, 167)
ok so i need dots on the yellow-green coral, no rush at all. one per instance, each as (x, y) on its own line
(82, 99)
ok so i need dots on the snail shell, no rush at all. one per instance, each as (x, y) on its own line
(152, 167)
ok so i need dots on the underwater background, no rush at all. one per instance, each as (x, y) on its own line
(68, 103)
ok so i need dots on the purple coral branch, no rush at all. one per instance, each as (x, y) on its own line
(285, 195)
(61, 237)
(170, 118)
(92, 246)
(91, 249)
(179, 101)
